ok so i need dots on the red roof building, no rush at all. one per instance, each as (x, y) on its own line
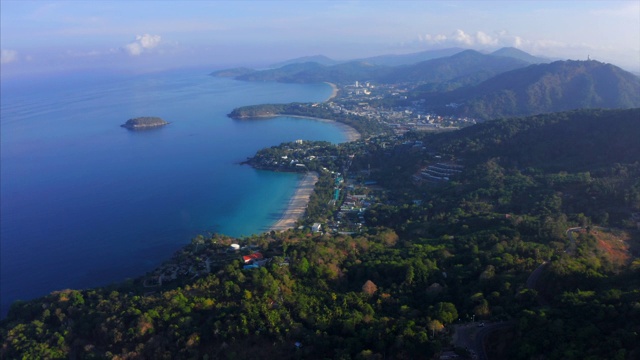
(249, 258)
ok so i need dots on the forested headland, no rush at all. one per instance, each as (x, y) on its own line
(365, 126)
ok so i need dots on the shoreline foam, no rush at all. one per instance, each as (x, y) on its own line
(298, 203)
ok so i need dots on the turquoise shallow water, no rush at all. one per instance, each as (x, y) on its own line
(85, 202)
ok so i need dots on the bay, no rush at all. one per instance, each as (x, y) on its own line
(85, 202)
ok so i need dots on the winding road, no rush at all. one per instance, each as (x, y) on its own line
(473, 336)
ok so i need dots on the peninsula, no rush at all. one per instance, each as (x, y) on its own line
(144, 122)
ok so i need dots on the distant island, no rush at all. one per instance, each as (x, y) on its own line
(144, 122)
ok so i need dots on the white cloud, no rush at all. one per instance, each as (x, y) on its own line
(629, 9)
(8, 56)
(481, 39)
(142, 43)
(485, 39)
(517, 42)
(432, 39)
(550, 48)
(461, 37)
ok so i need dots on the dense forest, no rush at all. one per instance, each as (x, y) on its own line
(433, 256)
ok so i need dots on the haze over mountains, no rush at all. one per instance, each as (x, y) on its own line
(558, 86)
(506, 82)
(382, 60)
(467, 67)
(426, 66)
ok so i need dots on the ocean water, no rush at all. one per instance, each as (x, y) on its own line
(85, 202)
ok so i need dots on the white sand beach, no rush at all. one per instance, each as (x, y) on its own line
(351, 133)
(298, 203)
(334, 93)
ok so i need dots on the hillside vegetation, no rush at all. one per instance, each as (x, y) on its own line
(431, 256)
(363, 125)
(578, 140)
(543, 88)
(466, 67)
(506, 83)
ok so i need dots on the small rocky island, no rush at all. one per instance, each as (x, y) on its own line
(144, 122)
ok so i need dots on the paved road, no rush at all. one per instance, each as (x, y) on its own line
(473, 338)
(570, 231)
(572, 246)
(532, 280)
(483, 334)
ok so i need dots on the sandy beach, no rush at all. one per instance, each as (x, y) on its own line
(351, 133)
(334, 93)
(298, 203)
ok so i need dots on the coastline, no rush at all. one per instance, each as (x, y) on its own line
(298, 203)
(133, 266)
(351, 133)
(334, 89)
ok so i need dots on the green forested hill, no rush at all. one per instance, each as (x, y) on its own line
(575, 140)
(519, 54)
(432, 255)
(320, 59)
(384, 60)
(411, 58)
(364, 125)
(543, 88)
(467, 67)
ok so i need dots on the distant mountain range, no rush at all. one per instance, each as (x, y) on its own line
(466, 67)
(507, 82)
(376, 68)
(412, 58)
(520, 55)
(381, 60)
(319, 59)
(542, 88)
(312, 72)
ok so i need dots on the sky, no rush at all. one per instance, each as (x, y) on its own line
(127, 36)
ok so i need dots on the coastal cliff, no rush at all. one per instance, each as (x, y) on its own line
(144, 122)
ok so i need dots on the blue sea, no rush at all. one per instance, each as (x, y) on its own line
(85, 202)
